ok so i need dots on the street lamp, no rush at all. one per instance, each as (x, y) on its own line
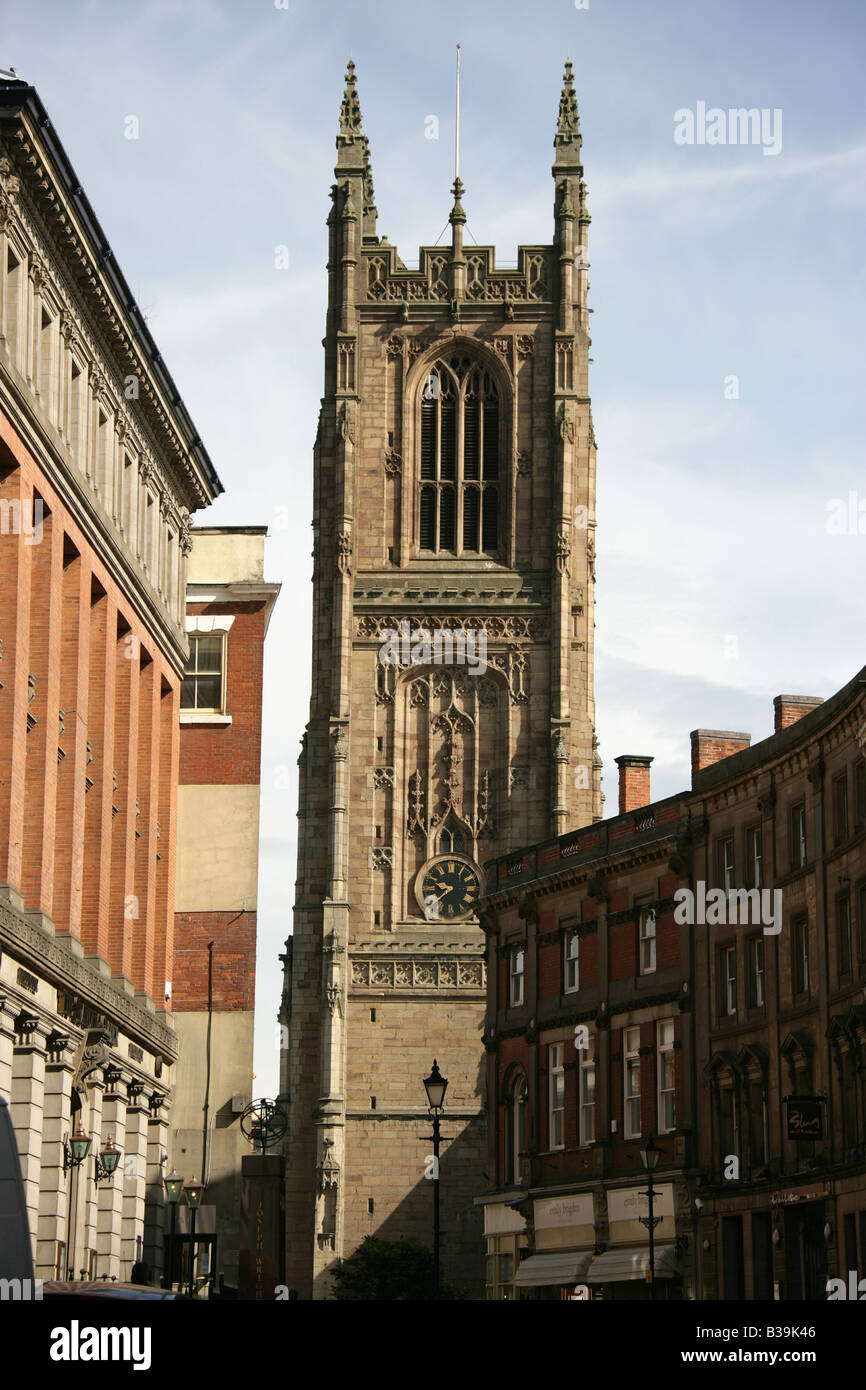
(76, 1150)
(106, 1161)
(193, 1192)
(650, 1155)
(173, 1188)
(435, 1085)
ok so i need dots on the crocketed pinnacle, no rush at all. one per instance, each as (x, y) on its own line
(350, 110)
(568, 125)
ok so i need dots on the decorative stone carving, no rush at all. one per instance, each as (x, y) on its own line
(439, 288)
(563, 550)
(328, 1169)
(418, 972)
(344, 552)
(393, 463)
(519, 778)
(339, 745)
(376, 274)
(565, 422)
(525, 346)
(514, 627)
(346, 422)
(395, 345)
(383, 777)
(382, 857)
(560, 748)
(524, 463)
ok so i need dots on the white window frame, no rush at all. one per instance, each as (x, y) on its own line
(556, 1096)
(207, 625)
(798, 815)
(516, 978)
(756, 955)
(586, 1096)
(631, 1073)
(755, 851)
(647, 941)
(728, 863)
(572, 961)
(665, 1050)
(729, 954)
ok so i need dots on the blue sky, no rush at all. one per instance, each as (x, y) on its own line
(719, 585)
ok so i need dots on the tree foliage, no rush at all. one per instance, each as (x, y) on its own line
(384, 1270)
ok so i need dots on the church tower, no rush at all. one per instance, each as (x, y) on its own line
(452, 711)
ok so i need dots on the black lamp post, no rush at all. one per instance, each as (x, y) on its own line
(650, 1155)
(435, 1085)
(173, 1188)
(193, 1193)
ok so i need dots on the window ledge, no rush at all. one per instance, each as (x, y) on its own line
(203, 716)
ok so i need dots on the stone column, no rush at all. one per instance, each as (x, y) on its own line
(155, 1215)
(109, 1221)
(89, 1194)
(7, 1044)
(134, 1181)
(54, 1182)
(28, 1099)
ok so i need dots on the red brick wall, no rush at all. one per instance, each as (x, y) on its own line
(231, 753)
(623, 950)
(234, 973)
(72, 852)
(549, 969)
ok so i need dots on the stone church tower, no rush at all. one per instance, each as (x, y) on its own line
(452, 691)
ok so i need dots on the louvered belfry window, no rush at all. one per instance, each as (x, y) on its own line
(459, 483)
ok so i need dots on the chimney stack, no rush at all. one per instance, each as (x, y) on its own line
(712, 745)
(789, 708)
(634, 782)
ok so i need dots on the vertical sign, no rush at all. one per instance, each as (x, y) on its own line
(262, 1236)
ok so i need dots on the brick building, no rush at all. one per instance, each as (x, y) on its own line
(452, 703)
(100, 468)
(713, 946)
(229, 606)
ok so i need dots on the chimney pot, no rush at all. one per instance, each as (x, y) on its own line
(787, 709)
(634, 781)
(712, 745)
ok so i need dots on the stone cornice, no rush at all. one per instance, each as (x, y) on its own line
(66, 478)
(34, 947)
(63, 216)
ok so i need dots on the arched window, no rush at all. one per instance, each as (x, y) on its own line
(451, 842)
(459, 459)
(515, 1129)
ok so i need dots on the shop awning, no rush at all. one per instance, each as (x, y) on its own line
(563, 1267)
(632, 1262)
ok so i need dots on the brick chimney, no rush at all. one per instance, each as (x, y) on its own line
(634, 782)
(711, 745)
(789, 708)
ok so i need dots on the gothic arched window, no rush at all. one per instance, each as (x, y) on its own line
(459, 459)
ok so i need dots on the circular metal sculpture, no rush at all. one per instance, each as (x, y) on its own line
(264, 1123)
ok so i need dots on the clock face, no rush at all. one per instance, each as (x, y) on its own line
(448, 887)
